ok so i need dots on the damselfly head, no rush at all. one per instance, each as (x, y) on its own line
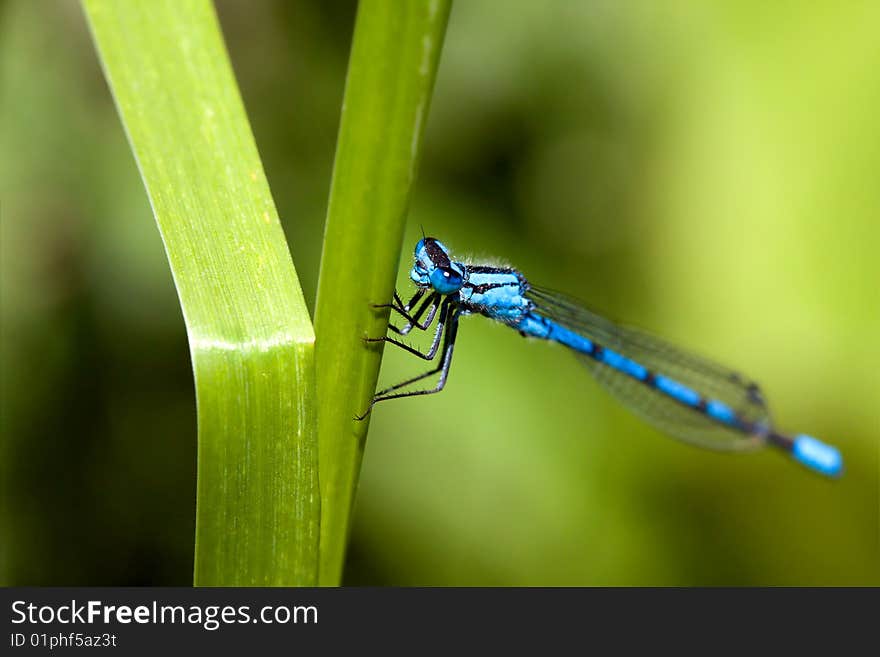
(433, 267)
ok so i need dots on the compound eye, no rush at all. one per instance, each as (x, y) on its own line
(452, 278)
(446, 281)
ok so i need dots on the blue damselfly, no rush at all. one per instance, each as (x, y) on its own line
(682, 394)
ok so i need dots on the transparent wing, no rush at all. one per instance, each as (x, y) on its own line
(711, 380)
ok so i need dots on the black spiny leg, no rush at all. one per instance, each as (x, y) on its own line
(398, 304)
(442, 367)
(429, 304)
(418, 295)
(444, 310)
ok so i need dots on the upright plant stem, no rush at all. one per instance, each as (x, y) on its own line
(391, 75)
(250, 336)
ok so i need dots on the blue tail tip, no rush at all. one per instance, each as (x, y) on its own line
(817, 456)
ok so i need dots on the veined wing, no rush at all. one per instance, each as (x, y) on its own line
(712, 381)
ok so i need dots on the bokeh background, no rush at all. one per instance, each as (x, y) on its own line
(705, 170)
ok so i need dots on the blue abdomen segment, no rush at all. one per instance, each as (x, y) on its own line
(817, 456)
(720, 411)
(807, 450)
(535, 325)
(677, 391)
(622, 364)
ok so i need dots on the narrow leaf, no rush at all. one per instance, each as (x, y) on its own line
(390, 80)
(250, 336)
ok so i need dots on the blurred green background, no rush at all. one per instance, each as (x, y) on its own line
(705, 170)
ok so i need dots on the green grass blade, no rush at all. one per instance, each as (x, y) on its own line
(250, 337)
(391, 75)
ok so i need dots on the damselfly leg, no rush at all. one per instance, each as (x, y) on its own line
(444, 309)
(430, 305)
(450, 332)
